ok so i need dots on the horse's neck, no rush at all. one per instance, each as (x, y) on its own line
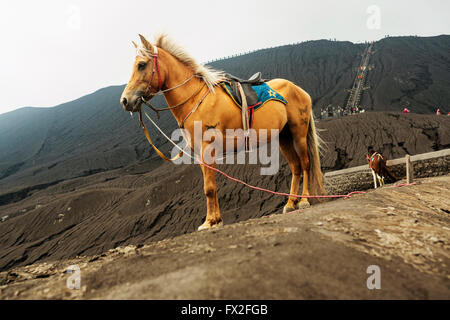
(377, 162)
(177, 73)
(372, 160)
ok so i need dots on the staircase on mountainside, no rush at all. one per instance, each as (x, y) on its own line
(360, 80)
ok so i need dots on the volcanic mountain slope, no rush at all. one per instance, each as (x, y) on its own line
(88, 135)
(41, 146)
(346, 141)
(409, 72)
(393, 134)
(404, 71)
(323, 68)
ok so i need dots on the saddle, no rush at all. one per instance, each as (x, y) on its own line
(243, 93)
(248, 92)
(254, 79)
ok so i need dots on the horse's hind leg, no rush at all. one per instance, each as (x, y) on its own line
(288, 150)
(380, 180)
(299, 130)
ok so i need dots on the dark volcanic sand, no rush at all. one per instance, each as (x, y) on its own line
(141, 203)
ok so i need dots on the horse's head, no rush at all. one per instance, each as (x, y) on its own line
(146, 77)
(370, 152)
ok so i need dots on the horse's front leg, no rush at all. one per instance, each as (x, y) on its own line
(374, 178)
(213, 218)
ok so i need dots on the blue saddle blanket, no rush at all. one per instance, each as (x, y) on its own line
(264, 91)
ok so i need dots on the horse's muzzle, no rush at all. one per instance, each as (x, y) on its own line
(131, 106)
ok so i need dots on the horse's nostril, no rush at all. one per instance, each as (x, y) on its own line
(124, 101)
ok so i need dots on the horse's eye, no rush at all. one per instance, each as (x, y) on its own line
(141, 66)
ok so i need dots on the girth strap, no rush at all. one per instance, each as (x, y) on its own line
(245, 118)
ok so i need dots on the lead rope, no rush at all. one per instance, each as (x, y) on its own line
(345, 196)
(147, 135)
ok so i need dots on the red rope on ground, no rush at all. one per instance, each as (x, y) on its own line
(279, 193)
(405, 184)
(345, 196)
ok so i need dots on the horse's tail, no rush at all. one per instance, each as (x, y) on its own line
(390, 174)
(315, 172)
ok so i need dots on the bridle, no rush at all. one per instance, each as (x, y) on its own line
(155, 70)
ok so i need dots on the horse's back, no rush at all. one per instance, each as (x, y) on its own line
(294, 94)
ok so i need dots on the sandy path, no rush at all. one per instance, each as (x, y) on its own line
(320, 252)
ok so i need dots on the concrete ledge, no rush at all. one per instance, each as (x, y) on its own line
(399, 161)
(420, 157)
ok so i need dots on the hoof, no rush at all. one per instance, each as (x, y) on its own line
(206, 225)
(288, 209)
(303, 204)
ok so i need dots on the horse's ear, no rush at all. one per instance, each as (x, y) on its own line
(134, 44)
(147, 45)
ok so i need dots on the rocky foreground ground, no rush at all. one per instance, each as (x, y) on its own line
(321, 252)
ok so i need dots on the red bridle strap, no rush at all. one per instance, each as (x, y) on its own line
(155, 67)
(155, 63)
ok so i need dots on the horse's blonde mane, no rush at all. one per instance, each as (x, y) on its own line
(163, 41)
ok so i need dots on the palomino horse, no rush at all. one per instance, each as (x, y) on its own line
(377, 162)
(192, 92)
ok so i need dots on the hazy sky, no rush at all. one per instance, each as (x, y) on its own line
(56, 51)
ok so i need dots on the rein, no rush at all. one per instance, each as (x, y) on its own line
(157, 110)
(147, 135)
